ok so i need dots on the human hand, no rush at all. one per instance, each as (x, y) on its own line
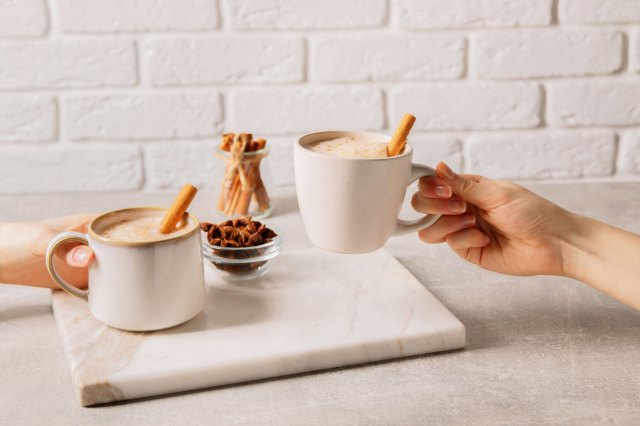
(23, 246)
(494, 224)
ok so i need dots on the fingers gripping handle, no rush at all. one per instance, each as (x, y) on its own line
(59, 240)
(408, 226)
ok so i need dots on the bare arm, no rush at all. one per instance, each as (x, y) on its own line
(505, 228)
(605, 257)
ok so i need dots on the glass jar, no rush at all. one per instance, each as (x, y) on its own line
(242, 182)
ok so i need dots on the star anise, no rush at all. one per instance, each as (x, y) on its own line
(241, 232)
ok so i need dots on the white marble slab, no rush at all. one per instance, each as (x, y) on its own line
(314, 310)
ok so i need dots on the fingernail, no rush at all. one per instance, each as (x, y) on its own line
(457, 206)
(446, 171)
(443, 191)
(80, 255)
(468, 220)
(487, 240)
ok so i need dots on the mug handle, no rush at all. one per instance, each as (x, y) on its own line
(57, 241)
(406, 226)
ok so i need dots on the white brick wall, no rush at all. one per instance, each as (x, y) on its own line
(27, 118)
(553, 53)
(388, 57)
(23, 18)
(629, 156)
(51, 64)
(105, 95)
(594, 103)
(212, 60)
(142, 116)
(635, 50)
(445, 14)
(304, 15)
(69, 168)
(286, 110)
(543, 155)
(114, 16)
(598, 11)
(466, 106)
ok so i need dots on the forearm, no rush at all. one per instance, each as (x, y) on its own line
(18, 263)
(605, 257)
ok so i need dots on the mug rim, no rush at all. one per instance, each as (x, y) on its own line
(299, 145)
(110, 241)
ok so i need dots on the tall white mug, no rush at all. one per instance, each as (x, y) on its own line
(139, 285)
(351, 205)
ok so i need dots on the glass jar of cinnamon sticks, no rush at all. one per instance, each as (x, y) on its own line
(243, 186)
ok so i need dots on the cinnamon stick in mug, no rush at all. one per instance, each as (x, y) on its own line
(178, 208)
(399, 139)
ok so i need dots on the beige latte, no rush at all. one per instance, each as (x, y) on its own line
(138, 228)
(351, 147)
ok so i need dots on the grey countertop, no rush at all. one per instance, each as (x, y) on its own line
(539, 349)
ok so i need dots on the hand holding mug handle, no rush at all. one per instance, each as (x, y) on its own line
(58, 240)
(407, 226)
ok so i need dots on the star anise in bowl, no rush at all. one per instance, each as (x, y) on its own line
(241, 248)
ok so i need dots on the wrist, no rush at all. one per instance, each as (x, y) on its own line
(573, 245)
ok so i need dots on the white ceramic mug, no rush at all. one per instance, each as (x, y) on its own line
(139, 285)
(351, 205)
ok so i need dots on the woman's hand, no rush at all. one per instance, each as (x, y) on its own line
(497, 225)
(23, 246)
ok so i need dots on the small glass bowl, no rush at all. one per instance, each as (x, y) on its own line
(243, 263)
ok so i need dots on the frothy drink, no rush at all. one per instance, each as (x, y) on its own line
(351, 147)
(141, 228)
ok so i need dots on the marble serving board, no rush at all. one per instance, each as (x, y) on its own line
(314, 310)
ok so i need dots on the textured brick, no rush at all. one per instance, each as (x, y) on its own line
(54, 168)
(388, 57)
(67, 64)
(144, 116)
(598, 11)
(295, 110)
(542, 155)
(463, 106)
(264, 59)
(27, 118)
(546, 53)
(168, 165)
(613, 103)
(23, 18)
(634, 51)
(431, 149)
(108, 16)
(280, 160)
(629, 153)
(308, 14)
(472, 13)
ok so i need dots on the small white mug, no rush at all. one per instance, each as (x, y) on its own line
(139, 285)
(351, 205)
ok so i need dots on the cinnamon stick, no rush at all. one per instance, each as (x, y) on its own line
(178, 208)
(245, 196)
(227, 140)
(399, 139)
(235, 197)
(261, 196)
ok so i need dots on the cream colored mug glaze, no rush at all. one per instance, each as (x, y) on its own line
(139, 284)
(351, 204)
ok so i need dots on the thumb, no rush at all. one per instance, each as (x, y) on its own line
(80, 256)
(474, 192)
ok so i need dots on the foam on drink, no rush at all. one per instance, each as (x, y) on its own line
(138, 227)
(351, 147)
